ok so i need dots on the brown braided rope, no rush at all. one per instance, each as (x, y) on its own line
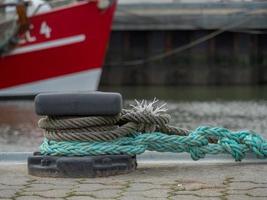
(55, 123)
(121, 131)
(104, 128)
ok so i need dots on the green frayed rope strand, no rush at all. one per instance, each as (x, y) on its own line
(196, 143)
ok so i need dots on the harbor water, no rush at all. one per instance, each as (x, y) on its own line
(230, 107)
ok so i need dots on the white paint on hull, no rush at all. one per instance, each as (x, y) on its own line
(180, 1)
(50, 44)
(82, 81)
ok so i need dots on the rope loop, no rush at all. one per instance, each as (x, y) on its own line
(54, 123)
(142, 118)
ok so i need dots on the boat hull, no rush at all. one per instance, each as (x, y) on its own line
(64, 50)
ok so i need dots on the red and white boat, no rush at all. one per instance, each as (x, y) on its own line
(63, 50)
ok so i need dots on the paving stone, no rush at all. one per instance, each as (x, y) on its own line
(39, 187)
(48, 193)
(8, 187)
(8, 193)
(192, 197)
(136, 187)
(118, 180)
(55, 181)
(208, 192)
(135, 196)
(195, 186)
(245, 185)
(150, 193)
(45, 187)
(97, 186)
(244, 197)
(81, 198)
(230, 191)
(101, 193)
(258, 192)
(35, 198)
(155, 193)
(5, 199)
(253, 191)
(8, 180)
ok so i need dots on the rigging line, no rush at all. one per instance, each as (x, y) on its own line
(251, 32)
(186, 46)
(130, 13)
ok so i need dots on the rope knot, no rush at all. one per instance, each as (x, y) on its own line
(147, 116)
(234, 148)
(256, 144)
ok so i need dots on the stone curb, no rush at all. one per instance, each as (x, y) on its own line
(147, 157)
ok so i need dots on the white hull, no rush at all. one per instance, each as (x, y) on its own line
(81, 81)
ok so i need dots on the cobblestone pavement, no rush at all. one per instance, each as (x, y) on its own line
(151, 181)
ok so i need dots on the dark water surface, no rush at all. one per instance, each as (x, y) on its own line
(231, 107)
(193, 93)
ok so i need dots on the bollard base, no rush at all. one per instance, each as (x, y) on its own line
(80, 167)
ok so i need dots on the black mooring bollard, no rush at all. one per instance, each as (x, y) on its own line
(79, 104)
(80, 166)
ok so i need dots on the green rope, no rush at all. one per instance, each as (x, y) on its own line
(196, 143)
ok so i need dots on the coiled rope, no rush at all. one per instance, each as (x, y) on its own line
(144, 127)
